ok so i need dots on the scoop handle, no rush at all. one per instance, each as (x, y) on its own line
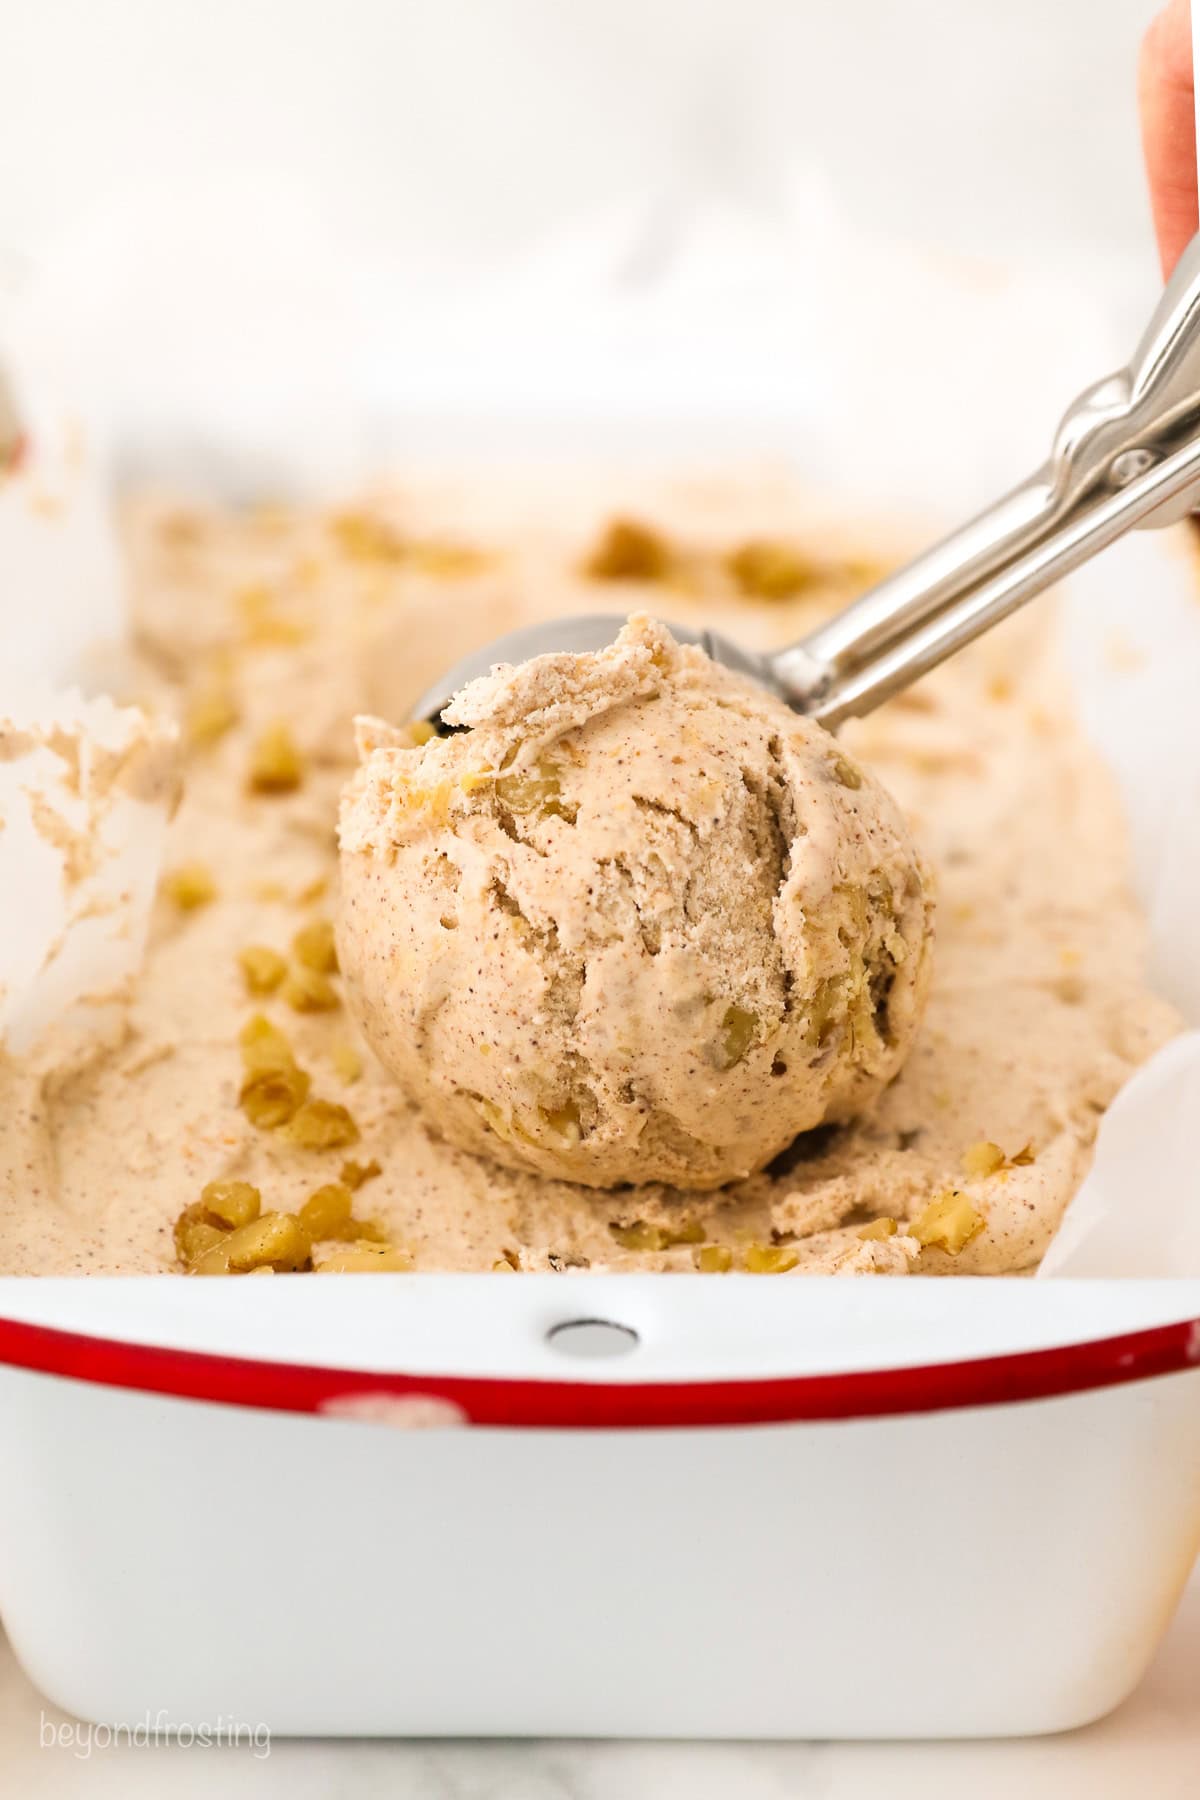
(1126, 454)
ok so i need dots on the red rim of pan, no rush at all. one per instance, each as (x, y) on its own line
(592, 1405)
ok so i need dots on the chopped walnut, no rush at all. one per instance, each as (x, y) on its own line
(845, 771)
(639, 1236)
(226, 1232)
(713, 1259)
(270, 1098)
(321, 1125)
(313, 945)
(327, 1212)
(275, 1240)
(231, 1203)
(948, 1223)
(197, 1229)
(262, 968)
(563, 1121)
(276, 766)
(189, 886)
(538, 791)
(366, 1259)
(738, 1030)
(365, 538)
(347, 1062)
(195, 1235)
(767, 570)
(262, 622)
(354, 1174)
(275, 1087)
(769, 1259)
(644, 1237)
(368, 1233)
(983, 1158)
(307, 991)
(264, 1046)
(629, 551)
(209, 715)
(448, 561)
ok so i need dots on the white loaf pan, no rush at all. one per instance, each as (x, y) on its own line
(789, 1508)
(847, 1509)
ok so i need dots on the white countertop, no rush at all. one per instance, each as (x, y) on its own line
(1150, 1745)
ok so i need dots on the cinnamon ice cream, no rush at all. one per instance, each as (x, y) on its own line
(633, 921)
(235, 1068)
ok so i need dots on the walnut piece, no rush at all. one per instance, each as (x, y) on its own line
(262, 968)
(629, 551)
(306, 991)
(713, 1259)
(313, 946)
(190, 886)
(209, 715)
(769, 1259)
(321, 1125)
(276, 766)
(354, 1174)
(767, 570)
(983, 1158)
(270, 1098)
(738, 1031)
(948, 1223)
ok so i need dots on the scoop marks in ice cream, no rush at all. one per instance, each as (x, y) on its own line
(632, 921)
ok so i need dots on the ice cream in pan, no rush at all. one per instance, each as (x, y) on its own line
(232, 1078)
(590, 1005)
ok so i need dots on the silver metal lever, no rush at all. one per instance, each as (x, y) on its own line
(861, 687)
(1126, 454)
(1120, 439)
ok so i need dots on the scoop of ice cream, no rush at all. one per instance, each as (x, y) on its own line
(633, 921)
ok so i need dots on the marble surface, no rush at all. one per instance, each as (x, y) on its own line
(1150, 1745)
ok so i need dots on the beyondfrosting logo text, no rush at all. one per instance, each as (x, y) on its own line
(81, 1738)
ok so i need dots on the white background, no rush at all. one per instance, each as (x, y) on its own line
(456, 133)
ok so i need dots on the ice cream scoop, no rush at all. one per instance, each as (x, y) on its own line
(1127, 453)
(632, 921)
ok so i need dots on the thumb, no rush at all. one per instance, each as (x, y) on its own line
(1166, 103)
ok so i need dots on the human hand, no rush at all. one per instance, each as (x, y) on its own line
(1166, 105)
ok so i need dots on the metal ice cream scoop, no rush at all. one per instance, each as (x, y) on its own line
(1126, 454)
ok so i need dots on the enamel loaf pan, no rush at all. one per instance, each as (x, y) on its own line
(661, 1505)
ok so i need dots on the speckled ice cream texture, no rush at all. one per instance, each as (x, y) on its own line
(633, 921)
(1038, 1008)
